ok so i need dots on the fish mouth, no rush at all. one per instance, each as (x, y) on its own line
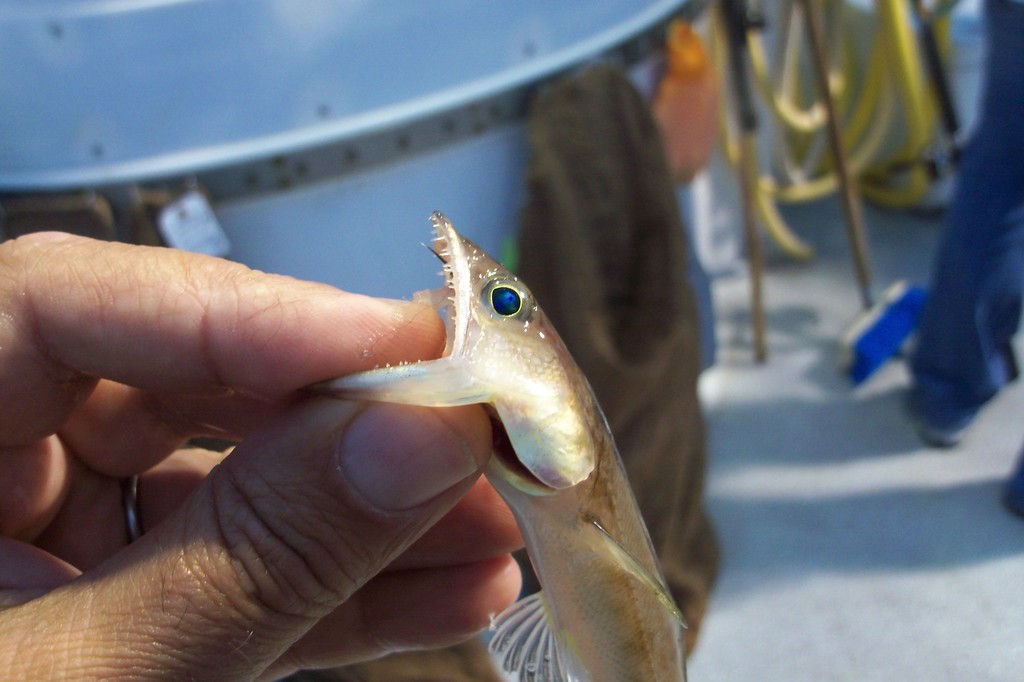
(450, 250)
(444, 239)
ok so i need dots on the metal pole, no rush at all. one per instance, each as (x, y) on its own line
(855, 228)
(734, 15)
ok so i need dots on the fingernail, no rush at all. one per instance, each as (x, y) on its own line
(398, 457)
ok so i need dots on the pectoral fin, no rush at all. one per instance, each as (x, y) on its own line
(614, 550)
(524, 643)
(432, 383)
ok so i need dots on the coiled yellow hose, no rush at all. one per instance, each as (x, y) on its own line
(889, 122)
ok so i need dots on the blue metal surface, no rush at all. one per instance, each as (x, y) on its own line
(121, 91)
(269, 93)
(366, 232)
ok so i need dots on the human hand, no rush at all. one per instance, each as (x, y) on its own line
(334, 532)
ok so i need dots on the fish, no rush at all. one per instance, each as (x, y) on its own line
(604, 612)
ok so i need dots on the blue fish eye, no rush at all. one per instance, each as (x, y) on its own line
(506, 301)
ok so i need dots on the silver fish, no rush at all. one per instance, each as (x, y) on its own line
(605, 612)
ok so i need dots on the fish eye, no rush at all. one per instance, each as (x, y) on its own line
(506, 301)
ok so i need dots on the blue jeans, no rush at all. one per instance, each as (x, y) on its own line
(964, 355)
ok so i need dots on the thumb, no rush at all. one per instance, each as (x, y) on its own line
(280, 534)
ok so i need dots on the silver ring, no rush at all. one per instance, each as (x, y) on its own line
(130, 501)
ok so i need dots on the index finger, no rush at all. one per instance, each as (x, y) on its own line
(74, 309)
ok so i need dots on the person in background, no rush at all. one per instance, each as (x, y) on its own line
(964, 355)
(334, 532)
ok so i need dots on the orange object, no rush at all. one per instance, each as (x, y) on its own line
(687, 101)
(687, 57)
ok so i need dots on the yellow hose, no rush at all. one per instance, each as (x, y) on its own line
(895, 20)
(764, 204)
(893, 104)
(860, 159)
(809, 119)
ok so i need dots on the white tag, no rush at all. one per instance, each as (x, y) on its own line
(190, 224)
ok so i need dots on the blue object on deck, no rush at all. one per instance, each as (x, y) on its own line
(885, 329)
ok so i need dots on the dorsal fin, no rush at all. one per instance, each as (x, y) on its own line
(620, 555)
(524, 643)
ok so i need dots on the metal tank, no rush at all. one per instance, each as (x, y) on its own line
(321, 132)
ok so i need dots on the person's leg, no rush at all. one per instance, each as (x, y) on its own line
(1013, 493)
(964, 355)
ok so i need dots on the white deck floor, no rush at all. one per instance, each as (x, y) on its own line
(850, 551)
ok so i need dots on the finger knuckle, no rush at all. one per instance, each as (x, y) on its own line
(282, 562)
